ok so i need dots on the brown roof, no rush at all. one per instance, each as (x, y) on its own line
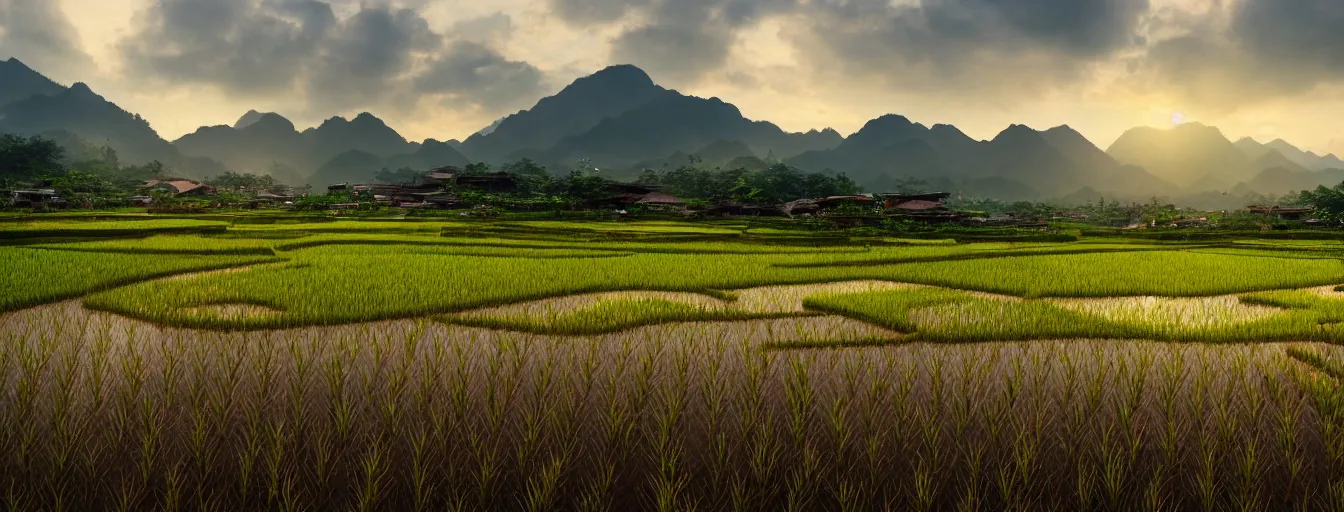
(658, 198)
(181, 186)
(1278, 209)
(918, 205)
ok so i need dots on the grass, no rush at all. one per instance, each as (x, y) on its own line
(419, 416)
(400, 282)
(34, 277)
(941, 315)
(606, 316)
(743, 401)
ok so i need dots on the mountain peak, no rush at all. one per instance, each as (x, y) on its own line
(1017, 131)
(628, 74)
(248, 119)
(81, 89)
(271, 120)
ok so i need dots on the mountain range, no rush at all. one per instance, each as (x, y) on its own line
(619, 120)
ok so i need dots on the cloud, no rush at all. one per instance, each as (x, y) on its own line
(491, 29)
(1001, 48)
(368, 55)
(247, 48)
(334, 55)
(679, 41)
(38, 33)
(474, 74)
(582, 12)
(1260, 50)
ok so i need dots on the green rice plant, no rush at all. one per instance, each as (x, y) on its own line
(611, 315)
(34, 277)
(76, 227)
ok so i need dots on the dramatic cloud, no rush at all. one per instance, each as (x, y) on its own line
(369, 55)
(248, 48)
(378, 56)
(677, 40)
(474, 74)
(38, 33)
(1259, 50)
(581, 12)
(1003, 47)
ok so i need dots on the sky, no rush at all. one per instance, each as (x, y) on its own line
(446, 68)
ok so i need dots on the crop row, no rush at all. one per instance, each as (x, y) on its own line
(103, 413)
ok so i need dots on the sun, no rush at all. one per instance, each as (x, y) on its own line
(1177, 118)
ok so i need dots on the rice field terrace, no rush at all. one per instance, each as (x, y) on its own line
(236, 363)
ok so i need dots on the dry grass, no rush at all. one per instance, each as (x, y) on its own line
(1188, 312)
(101, 412)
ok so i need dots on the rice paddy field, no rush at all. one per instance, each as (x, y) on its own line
(239, 363)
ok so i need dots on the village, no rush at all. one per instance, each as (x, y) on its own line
(452, 191)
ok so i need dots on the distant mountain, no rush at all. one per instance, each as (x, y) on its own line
(430, 154)
(356, 166)
(671, 123)
(1279, 180)
(364, 133)
(489, 129)
(720, 152)
(333, 147)
(1018, 163)
(574, 110)
(1305, 159)
(885, 149)
(619, 118)
(1078, 149)
(268, 139)
(1023, 154)
(20, 82)
(80, 111)
(1191, 155)
(1277, 160)
(352, 166)
(248, 119)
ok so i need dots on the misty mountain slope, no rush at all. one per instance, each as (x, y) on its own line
(352, 166)
(1305, 159)
(249, 119)
(574, 110)
(365, 133)
(886, 149)
(80, 111)
(1023, 155)
(1277, 160)
(271, 138)
(1078, 149)
(720, 152)
(674, 123)
(1191, 155)
(429, 155)
(20, 82)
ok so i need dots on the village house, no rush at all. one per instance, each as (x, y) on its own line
(35, 199)
(1282, 213)
(180, 187)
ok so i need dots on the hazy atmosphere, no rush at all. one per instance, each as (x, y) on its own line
(444, 69)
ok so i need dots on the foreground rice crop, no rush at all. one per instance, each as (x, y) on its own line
(374, 365)
(104, 411)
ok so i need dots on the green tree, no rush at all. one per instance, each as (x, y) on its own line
(525, 167)
(477, 168)
(1328, 202)
(25, 160)
(404, 175)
